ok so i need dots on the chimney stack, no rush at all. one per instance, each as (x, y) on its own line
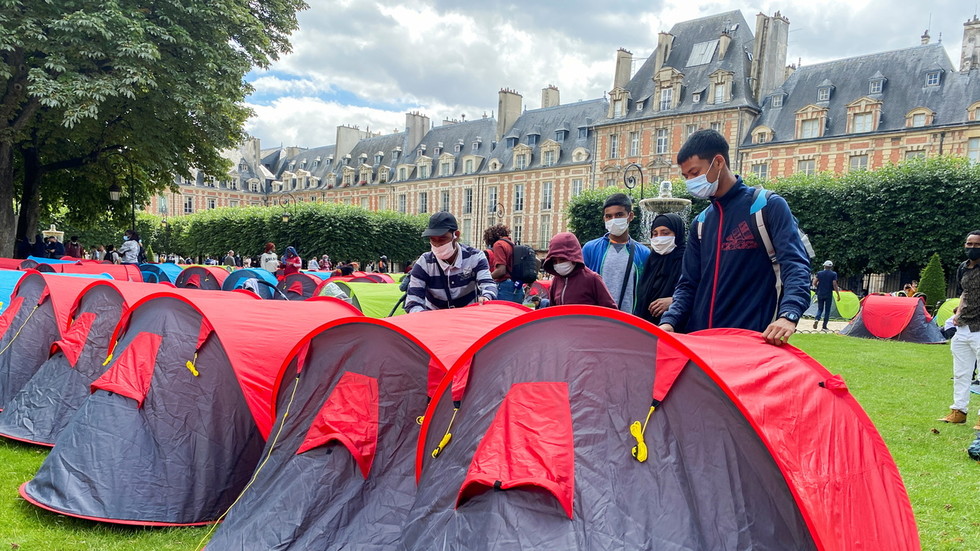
(416, 125)
(550, 96)
(664, 43)
(925, 37)
(970, 56)
(509, 105)
(724, 41)
(768, 54)
(624, 68)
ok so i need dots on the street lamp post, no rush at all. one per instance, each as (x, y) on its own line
(285, 202)
(631, 174)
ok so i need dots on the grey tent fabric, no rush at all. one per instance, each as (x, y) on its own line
(42, 407)
(26, 343)
(320, 499)
(161, 462)
(709, 483)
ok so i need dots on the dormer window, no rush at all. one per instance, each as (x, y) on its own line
(583, 132)
(346, 160)
(520, 161)
(666, 98)
(511, 141)
(292, 165)
(776, 100)
(933, 78)
(303, 162)
(618, 108)
(397, 152)
(825, 90)
(560, 135)
(242, 166)
(532, 140)
(639, 105)
(876, 85)
(316, 163)
(458, 147)
(696, 97)
(378, 157)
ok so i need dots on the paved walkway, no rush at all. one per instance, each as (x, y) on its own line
(806, 326)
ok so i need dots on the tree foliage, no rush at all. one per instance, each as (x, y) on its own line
(344, 232)
(932, 282)
(890, 219)
(126, 92)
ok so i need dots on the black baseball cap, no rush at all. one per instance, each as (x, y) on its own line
(440, 223)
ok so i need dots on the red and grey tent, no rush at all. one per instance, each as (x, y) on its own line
(352, 391)
(744, 445)
(540, 288)
(201, 277)
(899, 318)
(41, 409)
(10, 263)
(298, 286)
(119, 272)
(36, 317)
(174, 427)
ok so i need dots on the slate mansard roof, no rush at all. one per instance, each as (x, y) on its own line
(449, 135)
(903, 89)
(696, 68)
(545, 123)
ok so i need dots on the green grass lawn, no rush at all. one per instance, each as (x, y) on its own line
(903, 387)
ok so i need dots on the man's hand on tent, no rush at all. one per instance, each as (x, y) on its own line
(667, 327)
(779, 331)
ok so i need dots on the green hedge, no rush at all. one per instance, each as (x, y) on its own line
(344, 232)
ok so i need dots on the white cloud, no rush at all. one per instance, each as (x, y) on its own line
(445, 58)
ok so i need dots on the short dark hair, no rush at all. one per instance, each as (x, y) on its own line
(705, 144)
(494, 233)
(619, 200)
(974, 232)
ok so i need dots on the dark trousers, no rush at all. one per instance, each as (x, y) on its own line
(823, 308)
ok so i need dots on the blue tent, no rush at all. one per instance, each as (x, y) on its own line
(42, 260)
(156, 273)
(8, 280)
(261, 281)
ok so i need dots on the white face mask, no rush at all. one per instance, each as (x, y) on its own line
(663, 244)
(617, 226)
(564, 268)
(444, 252)
(699, 186)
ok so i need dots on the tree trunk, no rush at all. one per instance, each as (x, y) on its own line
(30, 199)
(6, 199)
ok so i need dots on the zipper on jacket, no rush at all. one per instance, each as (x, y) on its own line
(714, 284)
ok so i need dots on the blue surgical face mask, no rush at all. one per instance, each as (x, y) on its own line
(700, 187)
(125, 238)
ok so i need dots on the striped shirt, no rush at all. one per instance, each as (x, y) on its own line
(466, 279)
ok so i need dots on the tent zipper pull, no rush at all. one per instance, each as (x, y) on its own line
(446, 437)
(637, 431)
(190, 366)
(109, 357)
(420, 419)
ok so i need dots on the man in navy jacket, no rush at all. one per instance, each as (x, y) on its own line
(728, 279)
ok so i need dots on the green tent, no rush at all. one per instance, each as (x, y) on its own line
(946, 310)
(845, 308)
(375, 300)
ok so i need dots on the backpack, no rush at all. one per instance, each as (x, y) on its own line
(524, 263)
(141, 256)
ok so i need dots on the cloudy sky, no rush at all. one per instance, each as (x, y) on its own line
(365, 63)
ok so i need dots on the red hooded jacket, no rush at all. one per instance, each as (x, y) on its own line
(582, 285)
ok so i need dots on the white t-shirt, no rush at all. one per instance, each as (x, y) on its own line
(269, 262)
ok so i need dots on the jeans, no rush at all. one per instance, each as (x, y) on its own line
(510, 291)
(823, 308)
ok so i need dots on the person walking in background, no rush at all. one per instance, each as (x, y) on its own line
(53, 248)
(229, 259)
(965, 344)
(291, 261)
(573, 282)
(497, 238)
(269, 261)
(617, 257)
(313, 265)
(382, 267)
(130, 249)
(662, 270)
(826, 283)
